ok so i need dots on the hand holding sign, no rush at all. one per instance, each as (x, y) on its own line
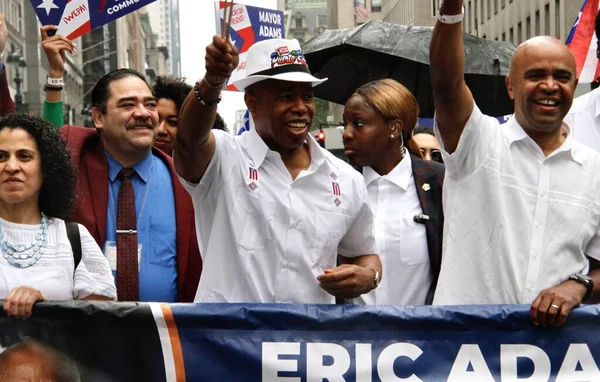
(221, 59)
(55, 48)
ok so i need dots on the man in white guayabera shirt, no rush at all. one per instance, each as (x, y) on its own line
(521, 200)
(273, 209)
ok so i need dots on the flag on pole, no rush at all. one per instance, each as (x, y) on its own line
(360, 11)
(583, 42)
(75, 18)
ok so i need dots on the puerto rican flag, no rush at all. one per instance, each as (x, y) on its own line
(583, 42)
(75, 18)
(336, 188)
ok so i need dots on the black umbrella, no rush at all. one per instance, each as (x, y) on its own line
(377, 49)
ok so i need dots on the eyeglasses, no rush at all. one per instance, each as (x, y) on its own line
(434, 154)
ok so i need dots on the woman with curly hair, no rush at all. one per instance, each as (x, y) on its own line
(37, 191)
(170, 93)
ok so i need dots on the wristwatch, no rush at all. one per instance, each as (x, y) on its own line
(585, 280)
(377, 277)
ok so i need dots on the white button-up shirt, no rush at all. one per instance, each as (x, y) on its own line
(584, 119)
(265, 237)
(516, 221)
(401, 242)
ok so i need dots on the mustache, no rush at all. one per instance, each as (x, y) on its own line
(141, 123)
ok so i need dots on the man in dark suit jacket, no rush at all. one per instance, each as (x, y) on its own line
(432, 174)
(124, 113)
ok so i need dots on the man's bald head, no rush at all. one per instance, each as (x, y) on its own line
(544, 43)
(31, 360)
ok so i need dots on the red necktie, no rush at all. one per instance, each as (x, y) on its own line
(127, 245)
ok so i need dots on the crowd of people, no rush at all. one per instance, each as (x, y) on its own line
(172, 208)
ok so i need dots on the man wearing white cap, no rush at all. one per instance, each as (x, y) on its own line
(273, 209)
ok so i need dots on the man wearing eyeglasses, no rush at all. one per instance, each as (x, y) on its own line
(430, 148)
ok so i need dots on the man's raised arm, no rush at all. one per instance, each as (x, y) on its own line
(195, 144)
(452, 98)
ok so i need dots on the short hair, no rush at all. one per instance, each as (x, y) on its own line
(392, 100)
(219, 123)
(172, 88)
(58, 171)
(101, 91)
(423, 130)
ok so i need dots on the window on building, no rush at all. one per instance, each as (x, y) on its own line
(537, 23)
(475, 12)
(528, 28)
(547, 19)
(519, 34)
(489, 9)
(495, 7)
(375, 5)
(321, 20)
(503, 3)
(504, 36)
(298, 23)
(511, 35)
(557, 31)
(468, 23)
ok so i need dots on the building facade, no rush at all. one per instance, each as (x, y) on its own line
(25, 59)
(305, 19)
(517, 20)
(164, 18)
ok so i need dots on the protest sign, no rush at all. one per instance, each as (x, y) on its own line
(249, 25)
(75, 18)
(107, 341)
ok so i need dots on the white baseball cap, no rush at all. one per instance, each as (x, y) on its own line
(276, 59)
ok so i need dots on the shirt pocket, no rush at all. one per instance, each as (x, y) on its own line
(413, 242)
(163, 245)
(330, 229)
(253, 223)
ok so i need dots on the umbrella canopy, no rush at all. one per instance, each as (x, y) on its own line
(378, 49)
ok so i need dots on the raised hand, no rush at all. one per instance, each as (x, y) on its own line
(222, 59)
(55, 48)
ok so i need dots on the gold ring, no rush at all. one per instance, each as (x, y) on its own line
(555, 306)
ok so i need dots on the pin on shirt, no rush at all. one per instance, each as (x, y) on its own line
(252, 178)
(337, 192)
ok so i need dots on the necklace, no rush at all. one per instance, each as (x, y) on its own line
(20, 256)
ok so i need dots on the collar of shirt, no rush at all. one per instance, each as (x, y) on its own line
(514, 132)
(400, 175)
(259, 150)
(142, 168)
